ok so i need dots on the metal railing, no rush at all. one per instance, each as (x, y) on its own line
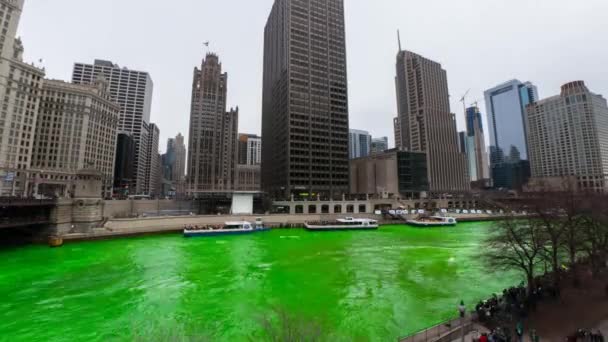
(440, 330)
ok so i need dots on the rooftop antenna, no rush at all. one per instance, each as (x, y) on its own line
(399, 40)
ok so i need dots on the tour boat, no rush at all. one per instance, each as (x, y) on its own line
(348, 223)
(433, 221)
(229, 228)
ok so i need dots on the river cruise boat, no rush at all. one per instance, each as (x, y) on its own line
(228, 228)
(348, 223)
(433, 221)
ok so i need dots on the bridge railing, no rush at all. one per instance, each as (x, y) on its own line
(438, 331)
(13, 201)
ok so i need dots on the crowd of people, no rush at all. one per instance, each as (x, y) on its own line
(196, 227)
(583, 335)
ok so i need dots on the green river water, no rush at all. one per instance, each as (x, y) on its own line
(356, 286)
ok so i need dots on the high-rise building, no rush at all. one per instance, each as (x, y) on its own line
(397, 130)
(427, 125)
(305, 101)
(152, 167)
(568, 136)
(359, 143)
(178, 172)
(379, 145)
(477, 155)
(132, 90)
(76, 129)
(250, 149)
(506, 105)
(20, 85)
(123, 167)
(212, 149)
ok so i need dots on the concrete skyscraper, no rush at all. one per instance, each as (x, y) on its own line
(359, 143)
(426, 122)
(153, 167)
(568, 137)
(20, 86)
(132, 90)
(305, 100)
(178, 172)
(479, 168)
(212, 146)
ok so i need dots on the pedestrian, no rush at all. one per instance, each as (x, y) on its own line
(519, 330)
(462, 309)
(483, 338)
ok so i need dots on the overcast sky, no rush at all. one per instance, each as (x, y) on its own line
(480, 43)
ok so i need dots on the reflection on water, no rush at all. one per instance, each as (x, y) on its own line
(369, 286)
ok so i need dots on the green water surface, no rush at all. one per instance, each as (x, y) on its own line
(363, 286)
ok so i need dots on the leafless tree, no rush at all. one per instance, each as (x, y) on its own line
(285, 326)
(517, 244)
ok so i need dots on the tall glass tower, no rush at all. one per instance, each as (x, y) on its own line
(506, 108)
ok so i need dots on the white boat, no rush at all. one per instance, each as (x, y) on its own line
(348, 223)
(229, 228)
(433, 221)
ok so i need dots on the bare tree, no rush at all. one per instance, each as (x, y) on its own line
(595, 231)
(517, 243)
(283, 326)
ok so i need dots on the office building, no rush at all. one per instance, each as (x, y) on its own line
(397, 130)
(426, 123)
(393, 172)
(250, 149)
(152, 167)
(76, 129)
(359, 143)
(132, 90)
(123, 166)
(479, 167)
(178, 172)
(505, 106)
(212, 149)
(379, 145)
(305, 100)
(568, 136)
(248, 177)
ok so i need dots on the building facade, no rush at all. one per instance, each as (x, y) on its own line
(426, 123)
(250, 149)
(123, 166)
(506, 106)
(76, 129)
(305, 100)
(132, 90)
(379, 145)
(393, 172)
(568, 136)
(359, 143)
(479, 167)
(248, 177)
(397, 130)
(152, 167)
(212, 148)
(179, 166)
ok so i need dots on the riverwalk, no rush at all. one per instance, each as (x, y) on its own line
(114, 228)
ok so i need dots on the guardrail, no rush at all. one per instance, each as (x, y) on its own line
(9, 201)
(435, 333)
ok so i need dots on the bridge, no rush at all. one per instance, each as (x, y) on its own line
(17, 212)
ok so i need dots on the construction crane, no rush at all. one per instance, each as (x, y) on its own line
(464, 102)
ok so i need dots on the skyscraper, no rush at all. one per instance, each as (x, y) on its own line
(305, 101)
(359, 143)
(479, 166)
(20, 86)
(132, 90)
(123, 167)
(178, 172)
(568, 136)
(250, 149)
(379, 145)
(506, 105)
(427, 125)
(397, 129)
(212, 147)
(152, 186)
